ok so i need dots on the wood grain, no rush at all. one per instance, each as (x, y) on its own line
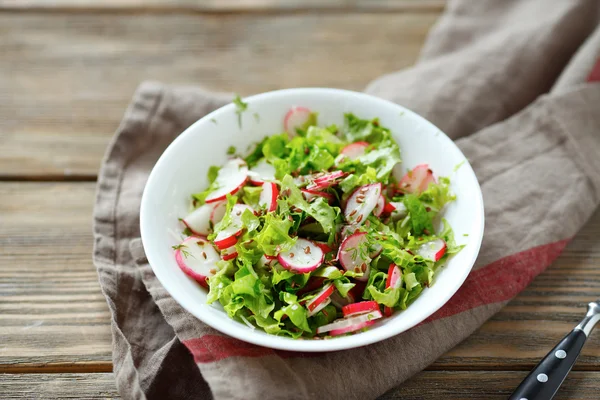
(445, 385)
(227, 5)
(66, 79)
(54, 318)
(52, 314)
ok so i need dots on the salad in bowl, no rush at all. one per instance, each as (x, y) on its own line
(311, 235)
(311, 219)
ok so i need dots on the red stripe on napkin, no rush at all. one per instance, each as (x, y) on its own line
(496, 282)
(501, 280)
(594, 76)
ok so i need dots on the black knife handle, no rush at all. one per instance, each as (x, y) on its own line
(545, 379)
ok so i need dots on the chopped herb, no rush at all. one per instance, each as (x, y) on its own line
(240, 107)
(460, 164)
(256, 117)
(231, 150)
(214, 121)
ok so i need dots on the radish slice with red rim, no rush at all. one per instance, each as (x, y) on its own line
(197, 259)
(315, 304)
(432, 250)
(323, 181)
(228, 236)
(324, 246)
(416, 180)
(229, 253)
(262, 172)
(304, 256)
(310, 195)
(268, 196)
(296, 118)
(198, 221)
(230, 179)
(394, 281)
(378, 210)
(352, 324)
(360, 308)
(399, 210)
(354, 150)
(353, 255)
(362, 202)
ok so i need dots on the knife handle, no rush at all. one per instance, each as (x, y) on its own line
(543, 382)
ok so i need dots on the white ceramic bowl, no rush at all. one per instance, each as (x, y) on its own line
(181, 170)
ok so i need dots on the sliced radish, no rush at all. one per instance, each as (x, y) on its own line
(228, 236)
(199, 220)
(218, 212)
(432, 250)
(360, 308)
(305, 256)
(268, 196)
(310, 195)
(230, 179)
(394, 281)
(376, 250)
(353, 255)
(352, 324)
(229, 253)
(340, 301)
(416, 180)
(348, 230)
(296, 118)
(354, 150)
(399, 210)
(324, 246)
(314, 304)
(378, 210)
(389, 207)
(326, 180)
(262, 172)
(362, 202)
(197, 258)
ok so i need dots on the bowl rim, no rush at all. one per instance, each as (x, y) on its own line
(284, 343)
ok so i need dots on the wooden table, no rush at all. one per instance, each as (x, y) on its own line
(67, 71)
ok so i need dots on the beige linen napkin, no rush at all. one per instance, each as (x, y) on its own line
(506, 79)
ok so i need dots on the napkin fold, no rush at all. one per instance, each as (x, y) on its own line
(511, 81)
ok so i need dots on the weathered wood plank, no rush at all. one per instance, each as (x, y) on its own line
(227, 5)
(52, 314)
(54, 318)
(426, 385)
(66, 79)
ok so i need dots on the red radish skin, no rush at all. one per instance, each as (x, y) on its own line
(352, 258)
(310, 195)
(358, 290)
(432, 250)
(394, 281)
(262, 172)
(361, 203)
(378, 210)
(389, 208)
(228, 236)
(351, 324)
(416, 180)
(229, 253)
(231, 178)
(360, 308)
(327, 180)
(296, 118)
(198, 221)
(197, 261)
(305, 256)
(354, 150)
(268, 196)
(324, 246)
(315, 304)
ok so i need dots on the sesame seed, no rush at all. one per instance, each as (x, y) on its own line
(359, 218)
(352, 213)
(204, 255)
(291, 255)
(307, 250)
